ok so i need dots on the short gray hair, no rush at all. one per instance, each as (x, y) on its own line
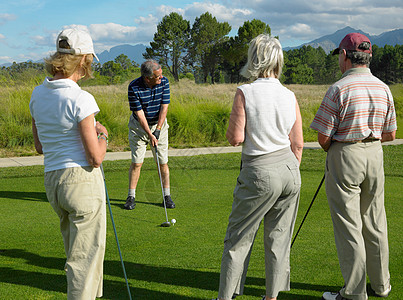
(265, 56)
(359, 58)
(148, 67)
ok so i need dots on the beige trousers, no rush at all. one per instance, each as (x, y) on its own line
(78, 197)
(355, 192)
(266, 189)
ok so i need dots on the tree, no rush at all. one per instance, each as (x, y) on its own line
(124, 61)
(170, 43)
(332, 71)
(391, 61)
(251, 29)
(235, 52)
(296, 70)
(111, 69)
(314, 58)
(386, 63)
(205, 50)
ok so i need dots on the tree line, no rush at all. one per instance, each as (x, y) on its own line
(206, 50)
(205, 53)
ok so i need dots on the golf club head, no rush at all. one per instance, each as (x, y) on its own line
(166, 224)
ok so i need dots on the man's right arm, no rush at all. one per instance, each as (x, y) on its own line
(143, 122)
(388, 136)
(324, 141)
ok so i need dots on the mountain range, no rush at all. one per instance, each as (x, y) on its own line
(331, 41)
(133, 52)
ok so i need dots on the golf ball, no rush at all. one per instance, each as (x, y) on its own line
(173, 221)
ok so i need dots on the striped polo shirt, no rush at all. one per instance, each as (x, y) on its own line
(142, 97)
(357, 106)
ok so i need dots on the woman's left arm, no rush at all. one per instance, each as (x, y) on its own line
(38, 145)
(95, 148)
(296, 135)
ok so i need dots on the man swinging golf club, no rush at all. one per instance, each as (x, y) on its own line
(149, 97)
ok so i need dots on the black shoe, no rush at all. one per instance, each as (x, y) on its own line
(168, 202)
(130, 203)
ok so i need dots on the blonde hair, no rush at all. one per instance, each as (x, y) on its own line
(265, 56)
(67, 64)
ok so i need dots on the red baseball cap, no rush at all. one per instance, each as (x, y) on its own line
(352, 41)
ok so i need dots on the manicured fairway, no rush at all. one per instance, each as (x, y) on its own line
(182, 261)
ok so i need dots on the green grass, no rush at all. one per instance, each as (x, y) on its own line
(183, 261)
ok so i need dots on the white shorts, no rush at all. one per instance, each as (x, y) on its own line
(138, 140)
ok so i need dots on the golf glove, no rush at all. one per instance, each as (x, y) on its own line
(156, 133)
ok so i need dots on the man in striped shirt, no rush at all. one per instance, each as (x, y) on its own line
(149, 97)
(355, 116)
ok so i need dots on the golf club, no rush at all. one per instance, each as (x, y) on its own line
(116, 235)
(167, 223)
(309, 208)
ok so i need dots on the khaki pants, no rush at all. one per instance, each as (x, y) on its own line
(355, 192)
(266, 190)
(78, 197)
(138, 140)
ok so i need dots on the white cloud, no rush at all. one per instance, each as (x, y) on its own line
(164, 10)
(224, 13)
(6, 18)
(5, 58)
(40, 40)
(111, 32)
(105, 35)
(300, 31)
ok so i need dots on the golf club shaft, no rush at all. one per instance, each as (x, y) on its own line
(116, 235)
(309, 208)
(162, 187)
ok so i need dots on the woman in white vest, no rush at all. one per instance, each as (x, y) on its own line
(74, 146)
(266, 120)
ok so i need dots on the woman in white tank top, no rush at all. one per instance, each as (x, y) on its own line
(266, 121)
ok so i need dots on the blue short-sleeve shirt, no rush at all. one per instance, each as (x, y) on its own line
(142, 97)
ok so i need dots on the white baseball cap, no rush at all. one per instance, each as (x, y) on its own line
(80, 42)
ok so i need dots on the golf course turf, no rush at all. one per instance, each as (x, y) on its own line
(181, 261)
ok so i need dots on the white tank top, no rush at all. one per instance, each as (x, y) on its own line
(270, 115)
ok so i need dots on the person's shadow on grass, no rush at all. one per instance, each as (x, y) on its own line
(55, 281)
(27, 196)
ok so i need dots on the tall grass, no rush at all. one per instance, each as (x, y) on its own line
(114, 112)
(198, 114)
(309, 98)
(15, 118)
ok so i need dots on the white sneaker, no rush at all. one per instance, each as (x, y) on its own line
(332, 296)
(385, 293)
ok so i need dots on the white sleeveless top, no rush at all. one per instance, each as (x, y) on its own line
(270, 115)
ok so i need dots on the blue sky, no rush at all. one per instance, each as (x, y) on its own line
(28, 28)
